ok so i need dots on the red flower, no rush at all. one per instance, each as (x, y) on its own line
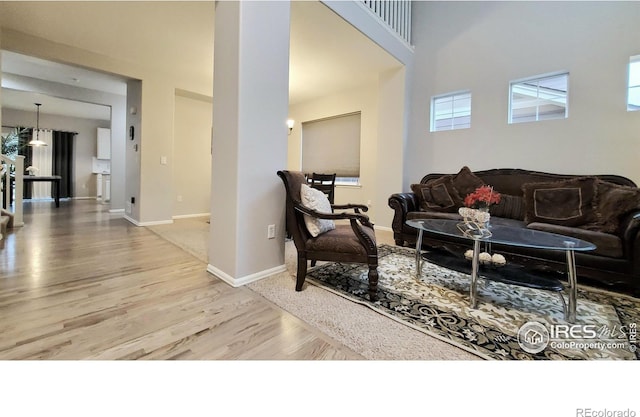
(483, 196)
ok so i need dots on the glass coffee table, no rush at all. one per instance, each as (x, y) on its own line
(513, 236)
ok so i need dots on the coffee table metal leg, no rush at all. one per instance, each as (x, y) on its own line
(473, 293)
(419, 254)
(573, 286)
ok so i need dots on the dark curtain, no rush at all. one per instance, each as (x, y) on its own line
(62, 165)
(27, 151)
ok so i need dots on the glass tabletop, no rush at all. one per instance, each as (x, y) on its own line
(515, 236)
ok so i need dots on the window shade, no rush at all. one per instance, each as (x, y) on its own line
(332, 146)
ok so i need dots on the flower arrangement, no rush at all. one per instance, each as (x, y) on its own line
(476, 214)
(482, 197)
(32, 170)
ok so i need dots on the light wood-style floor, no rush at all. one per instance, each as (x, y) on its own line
(79, 283)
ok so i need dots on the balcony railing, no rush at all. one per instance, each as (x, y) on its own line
(395, 13)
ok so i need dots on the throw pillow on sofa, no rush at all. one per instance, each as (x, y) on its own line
(466, 182)
(510, 207)
(318, 201)
(565, 203)
(613, 201)
(438, 195)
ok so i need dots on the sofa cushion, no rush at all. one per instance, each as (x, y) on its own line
(606, 243)
(510, 207)
(466, 182)
(565, 203)
(613, 201)
(412, 215)
(318, 201)
(438, 195)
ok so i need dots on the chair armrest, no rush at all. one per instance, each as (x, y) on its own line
(355, 207)
(362, 218)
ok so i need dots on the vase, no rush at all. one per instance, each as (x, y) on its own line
(475, 221)
(487, 215)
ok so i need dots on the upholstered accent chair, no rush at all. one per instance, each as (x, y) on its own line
(349, 242)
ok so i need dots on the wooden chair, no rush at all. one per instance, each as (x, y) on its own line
(325, 183)
(353, 242)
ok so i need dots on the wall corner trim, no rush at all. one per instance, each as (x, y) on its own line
(238, 282)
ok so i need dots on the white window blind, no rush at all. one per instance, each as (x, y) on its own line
(633, 98)
(332, 145)
(540, 98)
(451, 111)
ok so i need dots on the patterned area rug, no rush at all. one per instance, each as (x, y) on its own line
(438, 304)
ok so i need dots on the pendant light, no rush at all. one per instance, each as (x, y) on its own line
(35, 141)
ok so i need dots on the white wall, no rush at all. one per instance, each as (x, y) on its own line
(84, 181)
(192, 155)
(382, 139)
(364, 100)
(482, 46)
(250, 102)
(154, 203)
(133, 150)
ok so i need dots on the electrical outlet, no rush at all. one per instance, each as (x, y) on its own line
(271, 231)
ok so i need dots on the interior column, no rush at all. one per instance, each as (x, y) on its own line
(249, 143)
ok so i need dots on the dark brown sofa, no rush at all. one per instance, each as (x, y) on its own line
(606, 213)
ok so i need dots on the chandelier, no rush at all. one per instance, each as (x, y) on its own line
(35, 141)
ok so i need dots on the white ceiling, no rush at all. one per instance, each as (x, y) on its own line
(327, 54)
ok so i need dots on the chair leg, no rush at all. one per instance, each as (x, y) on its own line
(302, 272)
(313, 263)
(373, 282)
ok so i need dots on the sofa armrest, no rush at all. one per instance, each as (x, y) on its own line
(402, 203)
(630, 234)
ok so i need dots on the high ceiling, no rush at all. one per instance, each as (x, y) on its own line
(327, 54)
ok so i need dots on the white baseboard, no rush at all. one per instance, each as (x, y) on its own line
(83, 198)
(137, 223)
(130, 220)
(238, 282)
(188, 216)
(383, 228)
(156, 223)
(116, 211)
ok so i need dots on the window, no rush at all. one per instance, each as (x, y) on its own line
(541, 98)
(333, 145)
(451, 111)
(633, 99)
